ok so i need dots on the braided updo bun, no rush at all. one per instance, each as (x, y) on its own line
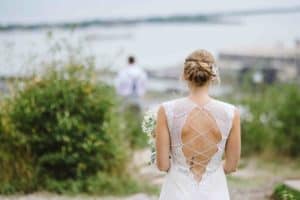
(198, 67)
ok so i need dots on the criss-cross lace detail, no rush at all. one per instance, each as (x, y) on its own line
(200, 137)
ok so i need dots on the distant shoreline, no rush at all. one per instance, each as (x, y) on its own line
(192, 18)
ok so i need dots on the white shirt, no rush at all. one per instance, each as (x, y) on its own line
(131, 81)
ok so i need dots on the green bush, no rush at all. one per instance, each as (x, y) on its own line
(287, 137)
(133, 115)
(283, 192)
(270, 121)
(256, 132)
(16, 169)
(59, 131)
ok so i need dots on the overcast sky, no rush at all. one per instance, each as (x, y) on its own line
(34, 11)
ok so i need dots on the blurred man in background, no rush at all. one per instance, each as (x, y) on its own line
(131, 83)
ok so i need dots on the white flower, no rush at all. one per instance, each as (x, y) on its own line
(149, 122)
(148, 127)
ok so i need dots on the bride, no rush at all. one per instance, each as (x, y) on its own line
(193, 133)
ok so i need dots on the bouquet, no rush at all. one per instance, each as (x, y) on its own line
(148, 127)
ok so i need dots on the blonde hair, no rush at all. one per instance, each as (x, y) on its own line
(199, 67)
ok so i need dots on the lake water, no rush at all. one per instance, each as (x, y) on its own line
(154, 45)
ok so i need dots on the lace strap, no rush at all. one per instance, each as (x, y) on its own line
(169, 114)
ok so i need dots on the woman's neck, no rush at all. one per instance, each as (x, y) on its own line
(200, 94)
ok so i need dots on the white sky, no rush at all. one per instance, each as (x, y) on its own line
(33, 11)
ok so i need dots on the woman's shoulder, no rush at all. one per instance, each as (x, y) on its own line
(170, 105)
(224, 104)
(172, 102)
(224, 107)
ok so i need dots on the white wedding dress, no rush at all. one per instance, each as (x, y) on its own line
(198, 136)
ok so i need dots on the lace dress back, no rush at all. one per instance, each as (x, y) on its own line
(198, 136)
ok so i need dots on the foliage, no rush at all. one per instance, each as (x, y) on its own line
(61, 132)
(16, 169)
(283, 192)
(100, 184)
(270, 119)
(134, 133)
(288, 117)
